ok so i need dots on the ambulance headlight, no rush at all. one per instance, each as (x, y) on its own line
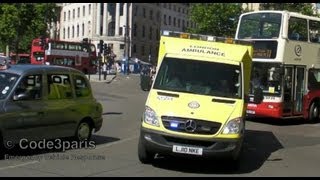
(234, 126)
(150, 117)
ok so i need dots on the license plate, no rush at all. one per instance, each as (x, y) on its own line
(187, 150)
(251, 112)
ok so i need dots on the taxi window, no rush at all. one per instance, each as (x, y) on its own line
(7, 81)
(81, 86)
(30, 87)
(59, 86)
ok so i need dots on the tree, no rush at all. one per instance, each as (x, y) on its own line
(218, 19)
(22, 22)
(303, 8)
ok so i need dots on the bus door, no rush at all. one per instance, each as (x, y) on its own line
(294, 79)
(299, 89)
(288, 91)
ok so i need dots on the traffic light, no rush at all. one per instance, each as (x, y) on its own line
(101, 47)
(42, 41)
(105, 49)
(85, 40)
(109, 50)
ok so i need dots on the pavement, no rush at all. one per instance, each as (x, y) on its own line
(110, 77)
(95, 78)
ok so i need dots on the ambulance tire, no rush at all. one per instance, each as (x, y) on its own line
(144, 156)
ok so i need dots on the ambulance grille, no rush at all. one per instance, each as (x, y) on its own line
(191, 126)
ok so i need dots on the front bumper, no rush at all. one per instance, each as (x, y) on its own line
(162, 143)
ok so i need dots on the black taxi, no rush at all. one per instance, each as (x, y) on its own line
(45, 102)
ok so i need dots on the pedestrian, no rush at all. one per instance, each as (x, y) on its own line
(104, 71)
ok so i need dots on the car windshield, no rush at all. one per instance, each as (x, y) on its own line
(7, 81)
(199, 77)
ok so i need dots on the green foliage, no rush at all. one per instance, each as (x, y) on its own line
(22, 22)
(218, 19)
(303, 8)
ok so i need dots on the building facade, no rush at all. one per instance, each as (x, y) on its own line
(133, 29)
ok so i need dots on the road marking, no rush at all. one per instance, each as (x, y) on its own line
(117, 142)
(19, 165)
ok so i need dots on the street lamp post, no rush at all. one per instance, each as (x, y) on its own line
(126, 47)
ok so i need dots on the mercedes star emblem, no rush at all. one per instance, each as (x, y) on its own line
(191, 126)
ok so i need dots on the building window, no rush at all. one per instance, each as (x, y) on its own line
(165, 5)
(89, 28)
(64, 33)
(174, 22)
(178, 22)
(158, 16)
(158, 34)
(179, 9)
(150, 33)
(151, 15)
(72, 31)
(134, 30)
(73, 13)
(165, 19)
(64, 16)
(134, 48)
(144, 12)
(111, 27)
(89, 9)
(83, 30)
(83, 11)
(121, 46)
(135, 10)
(142, 50)
(68, 32)
(78, 12)
(78, 31)
(143, 31)
(69, 15)
(121, 9)
(169, 20)
(120, 30)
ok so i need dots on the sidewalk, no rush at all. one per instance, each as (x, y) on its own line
(95, 78)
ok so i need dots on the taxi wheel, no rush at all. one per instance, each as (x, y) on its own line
(314, 112)
(84, 131)
(145, 157)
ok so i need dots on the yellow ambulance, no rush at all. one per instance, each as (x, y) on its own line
(197, 103)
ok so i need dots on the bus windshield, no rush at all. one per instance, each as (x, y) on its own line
(7, 81)
(266, 76)
(260, 26)
(200, 77)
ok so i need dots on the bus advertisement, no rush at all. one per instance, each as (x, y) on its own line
(286, 63)
(78, 55)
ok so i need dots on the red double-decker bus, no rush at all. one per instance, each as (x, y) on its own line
(79, 55)
(22, 58)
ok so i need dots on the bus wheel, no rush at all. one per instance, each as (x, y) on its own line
(314, 112)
